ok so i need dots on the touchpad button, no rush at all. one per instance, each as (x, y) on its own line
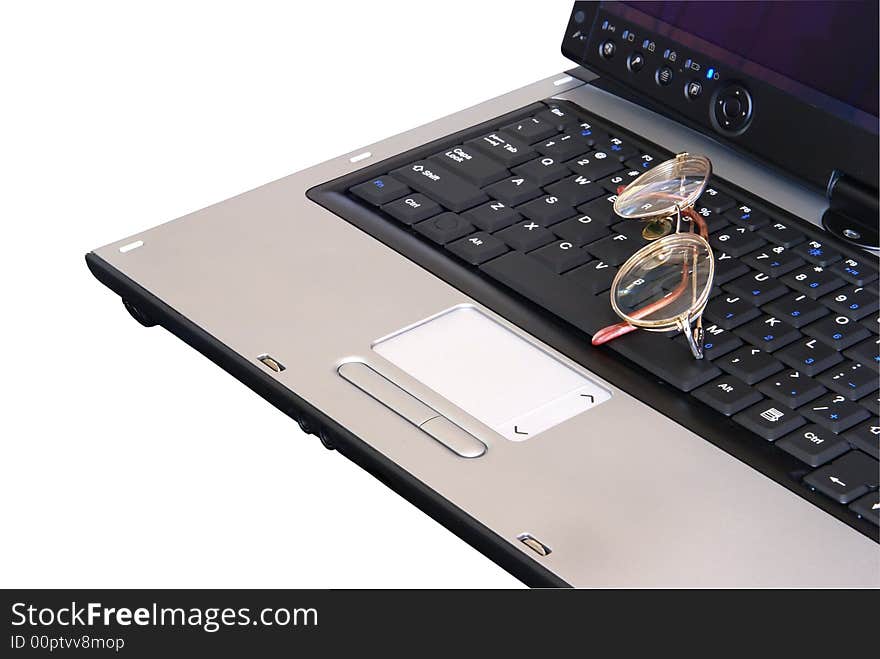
(496, 376)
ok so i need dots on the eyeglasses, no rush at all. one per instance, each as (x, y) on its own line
(665, 285)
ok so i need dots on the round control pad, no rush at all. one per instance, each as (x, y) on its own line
(731, 109)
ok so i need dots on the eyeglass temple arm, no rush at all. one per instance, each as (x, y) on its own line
(611, 332)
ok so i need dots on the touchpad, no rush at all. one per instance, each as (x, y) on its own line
(491, 373)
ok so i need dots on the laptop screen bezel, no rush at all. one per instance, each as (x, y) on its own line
(800, 139)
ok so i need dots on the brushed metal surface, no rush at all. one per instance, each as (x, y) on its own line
(623, 495)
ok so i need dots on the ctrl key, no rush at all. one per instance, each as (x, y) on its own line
(847, 478)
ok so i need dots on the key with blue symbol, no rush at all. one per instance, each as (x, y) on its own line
(380, 190)
(858, 271)
(814, 280)
(867, 352)
(768, 333)
(809, 356)
(854, 302)
(747, 217)
(818, 253)
(834, 412)
(850, 379)
(798, 309)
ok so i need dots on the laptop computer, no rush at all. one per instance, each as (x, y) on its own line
(460, 270)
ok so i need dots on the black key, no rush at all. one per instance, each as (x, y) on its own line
(865, 437)
(838, 332)
(561, 118)
(642, 163)
(818, 253)
(718, 202)
(717, 341)
(594, 166)
(581, 230)
(834, 412)
(714, 221)
(556, 294)
(809, 356)
(412, 208)
(589, 134)
(478, 248)
(492, 216)
(601, 210)
(514, 190)
(867, 352)
(442, 186)
(730, 311)
(561, 256)
(666, 359)
(575, 190)
(797, 309)
(445, 228)
(768, 333)
(380, 190)
(632, 229)
(564, 147)
(792, 388)
(868, 507)
(471, 164)
(747, 218)
(858, 271)
(727, 394)
(757, 288)
(507, 150)
(735, 241)
(546, 210)
(749, 364)
(595, 276)
(728, 268)
(850, 379)
(847, 478)
(814, 280)
(774, 261)
(854, 302)
(613, 182)
(871, 403)
(542, 171)
(526, 236)
(531, 130)
(770, 420)
(617, 148)
(813, 445)
(614, 250)
(782, 234)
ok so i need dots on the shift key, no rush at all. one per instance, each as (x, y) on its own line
(442, 186)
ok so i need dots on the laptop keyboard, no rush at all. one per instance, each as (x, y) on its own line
(791, 327)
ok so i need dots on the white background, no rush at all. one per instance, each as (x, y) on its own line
(128, 459)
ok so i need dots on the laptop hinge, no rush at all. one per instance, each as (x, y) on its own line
(852, 212)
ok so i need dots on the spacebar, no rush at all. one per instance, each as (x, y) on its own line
(661, 356)
(547, 289)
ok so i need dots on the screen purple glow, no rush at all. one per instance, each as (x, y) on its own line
(829, 47)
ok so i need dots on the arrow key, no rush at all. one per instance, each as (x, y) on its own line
(868, 507)
(847, 478)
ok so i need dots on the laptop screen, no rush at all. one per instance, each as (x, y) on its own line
(825, 53)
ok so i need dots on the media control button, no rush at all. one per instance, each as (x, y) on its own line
(693, 90)
(663, 76)
(607, 49)
(635, 62)
(731, 109)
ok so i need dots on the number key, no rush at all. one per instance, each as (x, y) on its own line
(854, 302)
(736, 241)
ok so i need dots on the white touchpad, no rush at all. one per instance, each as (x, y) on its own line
(491, 373)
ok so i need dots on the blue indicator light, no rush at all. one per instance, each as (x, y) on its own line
(710, 73)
